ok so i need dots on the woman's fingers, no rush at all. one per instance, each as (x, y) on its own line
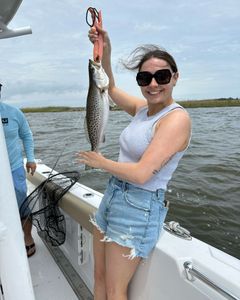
(93, 34)
(85, 157)
(91, 158)
(82, 155)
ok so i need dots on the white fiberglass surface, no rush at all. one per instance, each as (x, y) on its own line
(49, 282)
(163, 275)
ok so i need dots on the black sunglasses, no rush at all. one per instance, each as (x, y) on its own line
(161, 76)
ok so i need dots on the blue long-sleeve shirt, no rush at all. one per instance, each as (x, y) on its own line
(17, 133)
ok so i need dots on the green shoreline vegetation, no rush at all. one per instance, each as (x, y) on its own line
(221, 102)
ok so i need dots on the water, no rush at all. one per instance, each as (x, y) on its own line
(204, 192)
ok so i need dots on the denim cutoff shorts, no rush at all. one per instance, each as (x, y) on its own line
(131, 217)
(20, 186)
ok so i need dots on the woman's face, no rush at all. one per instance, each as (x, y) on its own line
(158, 93)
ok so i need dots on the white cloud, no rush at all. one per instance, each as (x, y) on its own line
(148, 26)
(50, 66)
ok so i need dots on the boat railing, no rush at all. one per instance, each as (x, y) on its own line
(78, 210)
(193, 272)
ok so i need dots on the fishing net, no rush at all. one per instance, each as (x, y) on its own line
(41, 206)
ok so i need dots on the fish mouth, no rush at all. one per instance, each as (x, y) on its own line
(94, 63)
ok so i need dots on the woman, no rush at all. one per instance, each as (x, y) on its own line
(132, 211)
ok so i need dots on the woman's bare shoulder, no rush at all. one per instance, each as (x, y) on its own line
(177, 117)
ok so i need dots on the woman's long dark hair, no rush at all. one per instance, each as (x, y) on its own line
(144, 53)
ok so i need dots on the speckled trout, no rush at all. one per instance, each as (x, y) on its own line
(97, 108)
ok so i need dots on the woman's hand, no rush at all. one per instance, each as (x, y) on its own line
(92, 159)
(93, 35)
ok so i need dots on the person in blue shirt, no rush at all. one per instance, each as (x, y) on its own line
(17, 134)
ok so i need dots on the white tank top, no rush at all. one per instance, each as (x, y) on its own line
(136, 137)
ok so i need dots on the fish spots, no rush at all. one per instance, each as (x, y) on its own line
(97, 108)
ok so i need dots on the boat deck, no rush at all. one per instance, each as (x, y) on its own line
(48, 280)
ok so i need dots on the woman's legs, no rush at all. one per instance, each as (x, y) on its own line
(119, 270)
(99, 265)
(112, 270)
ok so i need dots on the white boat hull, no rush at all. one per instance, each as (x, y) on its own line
(162, 276)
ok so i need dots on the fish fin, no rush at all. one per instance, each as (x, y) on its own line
(111, 103)
(103, 139)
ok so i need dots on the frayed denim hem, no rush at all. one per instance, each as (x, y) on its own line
(107, 239)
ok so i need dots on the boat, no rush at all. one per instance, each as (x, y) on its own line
(180, 267)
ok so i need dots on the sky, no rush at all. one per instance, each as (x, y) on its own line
(50, 66)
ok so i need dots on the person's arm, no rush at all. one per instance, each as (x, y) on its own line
(171, 136)
(25, 134)
(127, 102)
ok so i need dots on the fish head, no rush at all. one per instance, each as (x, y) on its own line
(98, 75)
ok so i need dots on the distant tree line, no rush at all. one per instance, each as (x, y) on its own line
(220, 102)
